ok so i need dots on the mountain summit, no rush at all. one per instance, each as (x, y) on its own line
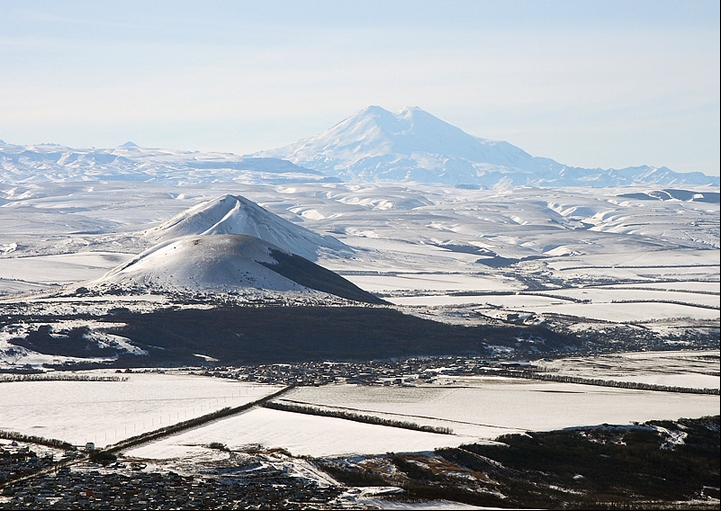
(413, 145)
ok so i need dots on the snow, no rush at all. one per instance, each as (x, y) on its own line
(222, 262)
(68, 216)
(628, 312)
(476, 409)
(512, 302)
(641, 295)
(430, 504)
(300, 434)
(66, 233)
(234, 214)
(60, 269)
(106, 412)
(487, 407)
(132, 164)
(693, 369)
(431, 283)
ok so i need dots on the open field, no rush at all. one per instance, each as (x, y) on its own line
(474, 408)
(484, 407)
(693, 369)
(105, 412)
(300, 434)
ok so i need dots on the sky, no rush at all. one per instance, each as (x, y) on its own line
(602, 83)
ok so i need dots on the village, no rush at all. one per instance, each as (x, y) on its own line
(246, 483)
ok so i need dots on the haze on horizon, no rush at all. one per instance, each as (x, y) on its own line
(592, 84)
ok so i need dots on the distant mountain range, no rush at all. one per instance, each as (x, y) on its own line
(372, 145)
(128, 162)
(413, 145)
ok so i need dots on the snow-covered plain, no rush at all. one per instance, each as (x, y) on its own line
(487, 407)
(106, 412)
(437, 242)
(693, 369)
(298, 433)
(476, 409)
(627, 312)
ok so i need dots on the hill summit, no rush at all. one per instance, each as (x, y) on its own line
(234, 214)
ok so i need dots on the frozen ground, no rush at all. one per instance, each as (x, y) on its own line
(488, 407)
(105, 412)
(476, 409)
(693, 369)
(300, 434)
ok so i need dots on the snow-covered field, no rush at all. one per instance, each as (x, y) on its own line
(486, 407)
(476, 409)
(298, 433)
(571, 251)
(61, 268)
(105, 412)
(628, 312)
(693, 369)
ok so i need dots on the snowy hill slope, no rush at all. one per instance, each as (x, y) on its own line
(225, 263)
(128, 162)
(413, 145)
(233, 214)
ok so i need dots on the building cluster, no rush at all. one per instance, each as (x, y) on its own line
(17, 461)
(404, 372)
(124, 487)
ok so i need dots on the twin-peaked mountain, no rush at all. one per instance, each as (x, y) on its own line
(413, 145)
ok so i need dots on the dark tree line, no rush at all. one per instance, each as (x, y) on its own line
(366, 419)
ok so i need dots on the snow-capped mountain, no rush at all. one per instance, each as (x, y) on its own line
(234, 214)
(225, 263)
(413, 145)
(128, 162)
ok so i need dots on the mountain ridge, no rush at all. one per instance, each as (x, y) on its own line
(21, 164)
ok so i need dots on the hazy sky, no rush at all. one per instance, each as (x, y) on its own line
(588, 83)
